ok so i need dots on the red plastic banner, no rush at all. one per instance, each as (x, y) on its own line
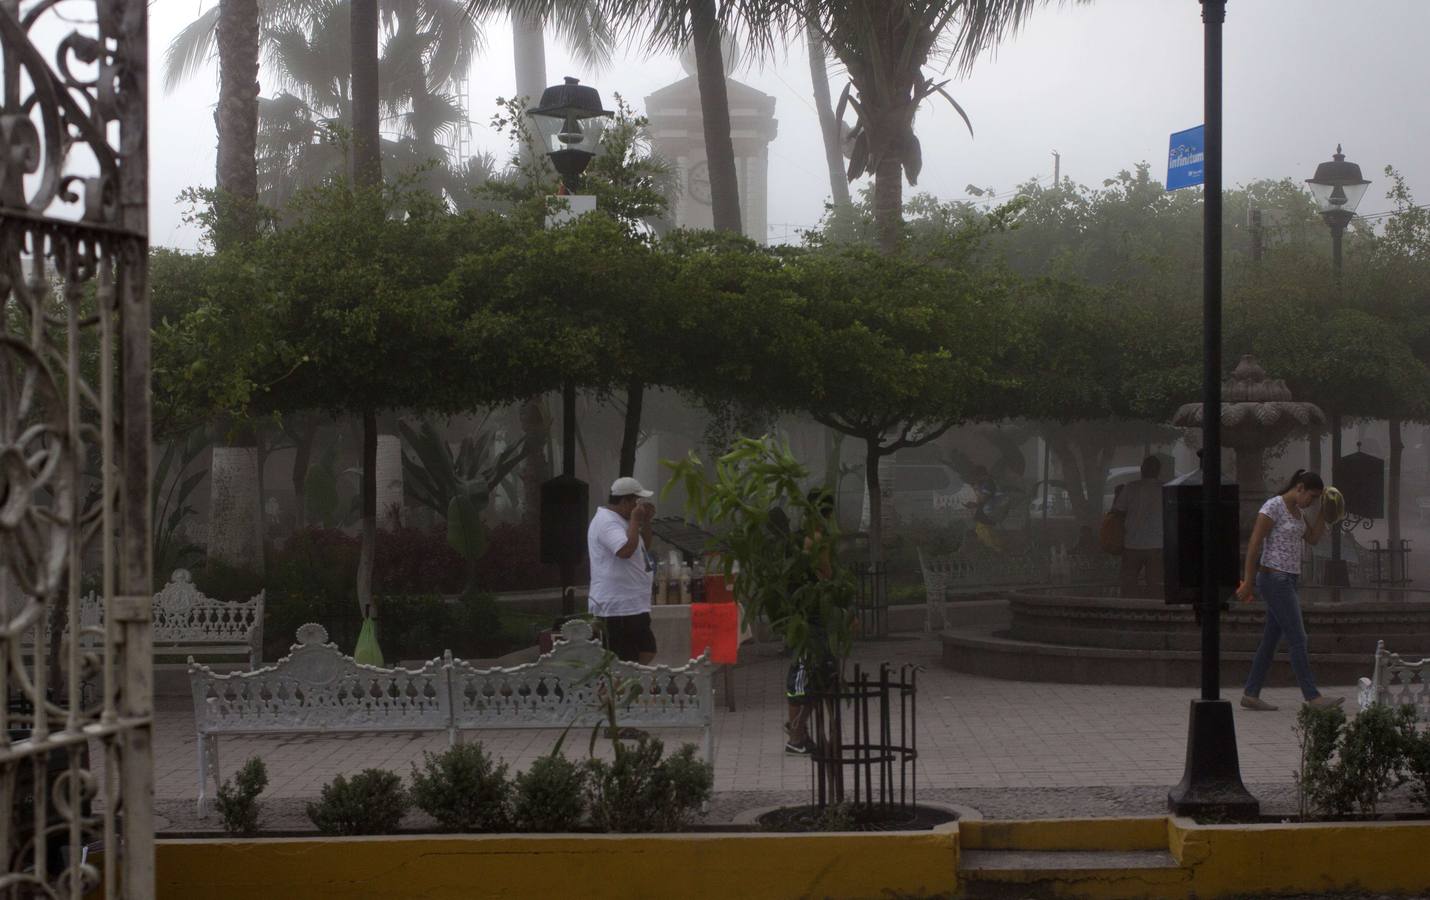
(715, 626)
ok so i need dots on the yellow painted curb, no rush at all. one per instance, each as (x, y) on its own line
(1143, 833)
(1390, 857)
(592, 867)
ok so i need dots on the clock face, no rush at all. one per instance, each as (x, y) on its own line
(698, 183)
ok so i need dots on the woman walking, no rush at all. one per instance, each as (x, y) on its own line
(1273, 566)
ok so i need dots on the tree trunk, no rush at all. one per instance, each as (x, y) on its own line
(535, 469)
(872, 454)
(368, 552)
(367, 139)
(635, 399)
(715, 116)
(1392, 502)
(529, 54)
(367, 173)
(302, 460)
(889, 203)
(236, 118)
(828, 126)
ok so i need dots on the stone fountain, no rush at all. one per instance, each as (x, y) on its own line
(1086, 634)
(1257, 413)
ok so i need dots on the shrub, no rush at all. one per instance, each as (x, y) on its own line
(1349, 766)
(237, 800)
(1417, 760)
(1374, 753)
(371, 802)
(464, 789)
(640, 791)
(550, 796)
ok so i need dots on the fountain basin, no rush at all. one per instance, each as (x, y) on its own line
(1091, 636)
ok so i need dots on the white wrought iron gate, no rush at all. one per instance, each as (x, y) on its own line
(76, 766)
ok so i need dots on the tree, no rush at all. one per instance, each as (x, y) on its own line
(884, 46)
(699, 25)
(901, 351)
(829, 126)
(236, 115)
(306, 126)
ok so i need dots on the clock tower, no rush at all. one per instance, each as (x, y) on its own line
(678, 135)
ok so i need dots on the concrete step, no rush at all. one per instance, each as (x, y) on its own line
(1070, 873)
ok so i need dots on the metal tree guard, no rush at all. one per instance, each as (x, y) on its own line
(866, 742)
(74, 449)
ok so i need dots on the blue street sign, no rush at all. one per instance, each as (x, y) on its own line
(1184, 158)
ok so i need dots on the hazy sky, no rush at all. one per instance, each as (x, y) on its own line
(1104, 84)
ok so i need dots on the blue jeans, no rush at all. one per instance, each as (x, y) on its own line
(1283, 619)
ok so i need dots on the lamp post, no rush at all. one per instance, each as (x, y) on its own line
(569, 145)
(565, 499)
(1211, 782)
(1337, 188)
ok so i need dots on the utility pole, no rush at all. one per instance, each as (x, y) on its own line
(1057, 168)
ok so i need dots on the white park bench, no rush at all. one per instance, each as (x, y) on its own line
(186, 623)
(318, 689)
(1396, 682)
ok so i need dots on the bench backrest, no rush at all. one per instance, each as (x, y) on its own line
(1397, 681)
(318, 688)
(566, 686)
(184, 617)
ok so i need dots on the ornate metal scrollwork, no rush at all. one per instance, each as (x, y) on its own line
(73, 469)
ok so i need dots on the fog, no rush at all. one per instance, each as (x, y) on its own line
(1102, 84)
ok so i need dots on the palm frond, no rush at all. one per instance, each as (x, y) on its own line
(190, 50)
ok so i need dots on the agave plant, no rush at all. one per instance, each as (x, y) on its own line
(457, 486)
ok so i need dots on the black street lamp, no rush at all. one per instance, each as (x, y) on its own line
(1211, 782)
(1338, 188)
(565, 499)
(559, 115)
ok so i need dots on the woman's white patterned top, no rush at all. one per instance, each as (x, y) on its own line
(1282, 549)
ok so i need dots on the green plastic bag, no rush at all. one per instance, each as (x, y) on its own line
(368, 652)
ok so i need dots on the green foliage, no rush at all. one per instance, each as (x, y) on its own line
(640, 791)
(237, 800)
(756, 497)
(457, 487)
(464, 789)
(550, 796)
(1417, 760)
(170, 504)
(1318, 731)
(1346, 766)
(371, 802)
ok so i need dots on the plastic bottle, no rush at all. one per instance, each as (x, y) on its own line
(662, 584)
(697, 582)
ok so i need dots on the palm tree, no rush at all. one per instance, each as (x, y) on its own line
(884, 46)
(303, 128)
(236, 116)
(672, 25)
(829, 126)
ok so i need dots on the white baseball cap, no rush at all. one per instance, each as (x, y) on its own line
(627, 487)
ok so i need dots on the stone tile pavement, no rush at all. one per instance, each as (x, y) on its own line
(974, 734)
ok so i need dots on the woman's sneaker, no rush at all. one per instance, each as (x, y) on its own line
(1250, 702)
(800, 748)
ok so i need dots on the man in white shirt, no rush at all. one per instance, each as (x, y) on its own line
(623, 570)
(1140, 504)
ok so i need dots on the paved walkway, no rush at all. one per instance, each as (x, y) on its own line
(973, 733)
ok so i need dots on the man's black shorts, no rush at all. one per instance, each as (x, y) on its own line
(629, 636)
